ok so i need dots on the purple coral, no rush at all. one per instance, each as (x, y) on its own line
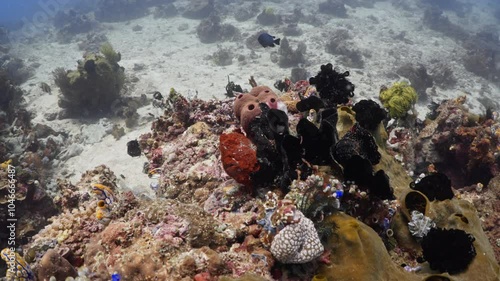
(297, 242)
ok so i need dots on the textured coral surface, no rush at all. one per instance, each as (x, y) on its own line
(209, 222)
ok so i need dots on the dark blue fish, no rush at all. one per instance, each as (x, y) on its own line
(267, 40)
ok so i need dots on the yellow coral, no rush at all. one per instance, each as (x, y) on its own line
(63, 235)
(319, 277)
(398, 99)
(109, 53)
(6, 164)
(269, 11)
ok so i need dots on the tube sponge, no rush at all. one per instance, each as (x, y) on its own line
(398, 99)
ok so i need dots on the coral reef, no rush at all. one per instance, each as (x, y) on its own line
(292, 30)
(16, 69)
(70, 23)
(212, 30)
(443, 76)
(486, 202)
(333, 7)
(481, 47)
(222, 57)
(298, 74)
(302, 194)
(52, 264)
(418, 77)
(11, 97)
(122, 10)
(288, 57)
(452, 5)
(268, 17)
(246, 12)
(354, 238)
(165, 11)
(453, 139)
(435, 20)
(92, 42)
(482, 50)
(27, 170)
(93, 86)
(199, 9)
(339, 44)
(252, 41)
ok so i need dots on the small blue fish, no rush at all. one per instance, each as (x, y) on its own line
(267, 40)
(115, 277)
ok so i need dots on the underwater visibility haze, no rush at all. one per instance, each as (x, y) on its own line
(241, 140)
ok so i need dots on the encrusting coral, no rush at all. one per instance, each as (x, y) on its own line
(458, 144)
(52, 264)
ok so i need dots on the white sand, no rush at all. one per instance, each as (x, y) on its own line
(177, 59)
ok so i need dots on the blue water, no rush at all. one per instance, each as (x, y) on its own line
(14, 13)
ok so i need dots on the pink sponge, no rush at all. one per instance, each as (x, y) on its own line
(246, 106)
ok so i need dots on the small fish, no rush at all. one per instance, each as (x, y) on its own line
(45, 87)
(22, 270)
(133, 148)
(115, 277)
(103, 193)
(267, 40)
